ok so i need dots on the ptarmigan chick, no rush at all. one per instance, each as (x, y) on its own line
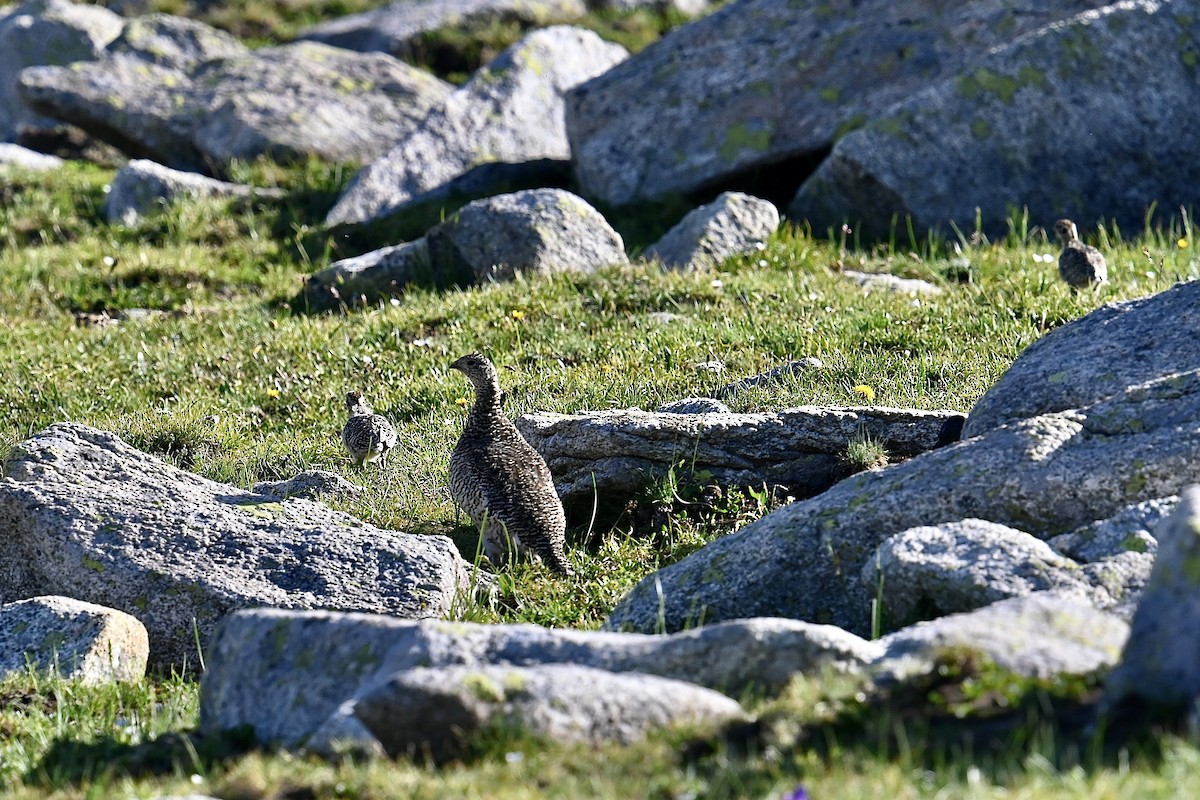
(500, 481)
(366, 435)
(1080, 265)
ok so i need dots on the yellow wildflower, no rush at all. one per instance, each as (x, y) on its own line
(1182, 244)
(518, 315)
(272, 393)
(865, 392)
(462, 401)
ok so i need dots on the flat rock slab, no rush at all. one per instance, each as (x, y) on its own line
(618, 453)
(438, 712)
(310, 484)
(399, 28)
(510, 112)
(1084, 119)
(91, 517)
(1046, 475)
(733, 224)
(16, 156)
(1130, 530)
(761, 81)
(74, 639)
(1118, 345)
(293, 676)
(881, 281)
(142, 187)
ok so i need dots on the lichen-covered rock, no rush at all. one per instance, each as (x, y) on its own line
(1161, 662)
(259, 660)
(1084, 119)
(142, 187)
(1128, 531)
(1039, 636)
(694, 405)
(731, 225)
(13, 155)
(1114, 347)
(45, 32)
(361, 280)
(773, 375)
(74, 639)
(438, 712)
(510, 112)
(538, 230)
(1046, 475)
(175, 42)
(312, 484)
(616, 454)
(891, 283)
(178, 551)
(761, 81)
(400, 28)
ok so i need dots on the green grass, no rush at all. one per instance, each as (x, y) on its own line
(177, 334)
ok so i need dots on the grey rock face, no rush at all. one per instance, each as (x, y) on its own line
(310, 484)
(539, 230)
(1118, 345)
(16, 156)
(175, 42)
(728, 226)
(45, 32)
(1128, 531)
(623, 451)
(931, 571)
(439, 711)
(694, 405)
(258, 658)
(363, 279)
(399, 28)
(1113, 94)
(1160, 659)
(142, 187)
(890, 283)
(1047, 475)
(76, 639)
(510, 112)
(287, 102)
(760, 81)
(134, 533)
(1039, 636)
(773, 375)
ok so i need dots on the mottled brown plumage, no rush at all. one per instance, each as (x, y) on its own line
(1080, 265)
(367, 436)
(501, 482)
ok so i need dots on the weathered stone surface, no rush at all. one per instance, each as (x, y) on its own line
(439, 711)
(1046, 475)
(131, 532)
(1128, 531)
(1115, 89)
(1118, 345)
(399, 28)
(45, 32)
(1123, 577)
(1039, 636)
(142, 187)
(286, 102)
(800, 448)
(258, 660)
(16, 156)
(510, 112)
(1161, 659)
(934, 570)
(76, 639)
(776, 374)
(884, 282)
(311, 484)
(175, 42)
(694, 405)
(732, 224)
(364, 279)
(760, 81)
(538, 230)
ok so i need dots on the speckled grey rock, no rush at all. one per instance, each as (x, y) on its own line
(1116, 86)
(175, 42)
(1128, 531)
(761, 81)
(288, 102)
(934, 570)
(1123, 577)
(438, 712)
(259, 658)
(45, 32)
(13, 155)
(1161, 660)
(399, 28)
(77, 640)
(731, 225)
(617, 453)
(1113, 347)
(881, 281)
(510, 112)
(538, 230)
(1040, 636)
(773, 375)
(694, 405)
(1047, 475)
(142, 187)
(134, 533)
(362, 280)
(309, 484)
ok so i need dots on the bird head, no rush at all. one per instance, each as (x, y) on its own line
(1066, 231)
(356, 404)
(477, 368)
